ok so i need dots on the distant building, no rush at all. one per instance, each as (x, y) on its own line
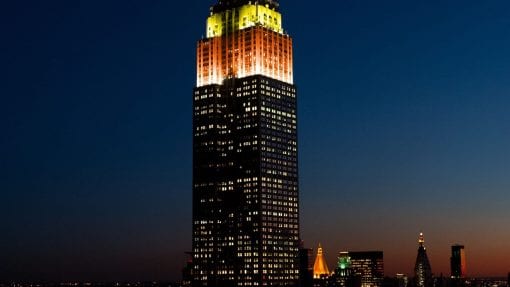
(360, 269)
(458, 262)
(344, 275)
(422, 270)
(344, 264)
(401, 280)
(442, 281)
(187, 272)
(320, 267)
(369, 265)
(305, 267)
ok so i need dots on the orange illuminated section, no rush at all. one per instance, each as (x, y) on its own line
(252, 51)
(320, 267)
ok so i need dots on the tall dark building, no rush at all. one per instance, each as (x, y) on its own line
(422, 270)
(305, 267)
(245, 172)
(458, 262)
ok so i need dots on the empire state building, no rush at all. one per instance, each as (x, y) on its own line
(245, 165)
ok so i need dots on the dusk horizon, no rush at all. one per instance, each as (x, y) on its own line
(403, 127)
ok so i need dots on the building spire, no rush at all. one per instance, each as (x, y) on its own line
(421, 239)
(422, 270)
(320, 267)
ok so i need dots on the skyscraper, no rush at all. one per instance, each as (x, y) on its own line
(422, 270)
(458, 262)
(245, 174)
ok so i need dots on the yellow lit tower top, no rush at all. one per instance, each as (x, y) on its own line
(230, 16)
(244, 38)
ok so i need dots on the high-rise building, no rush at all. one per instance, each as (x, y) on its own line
(422, 270)
(370, 265)
(360, 268)
(245, 169)
(320, 267)
(458, 262)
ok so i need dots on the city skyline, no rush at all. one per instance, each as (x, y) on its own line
(403, 128)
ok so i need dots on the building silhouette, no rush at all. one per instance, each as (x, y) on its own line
(245, 174)
(422, 270)
(305, 267)
(458, 262)
(187, 272)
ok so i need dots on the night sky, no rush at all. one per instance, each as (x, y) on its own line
(404, 126)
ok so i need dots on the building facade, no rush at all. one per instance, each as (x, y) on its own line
(360, 269)
(245, 169)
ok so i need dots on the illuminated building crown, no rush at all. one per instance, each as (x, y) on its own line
(232, 17)
(421, 239)
(244, 38)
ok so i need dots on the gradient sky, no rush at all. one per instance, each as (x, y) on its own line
(404, 125)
